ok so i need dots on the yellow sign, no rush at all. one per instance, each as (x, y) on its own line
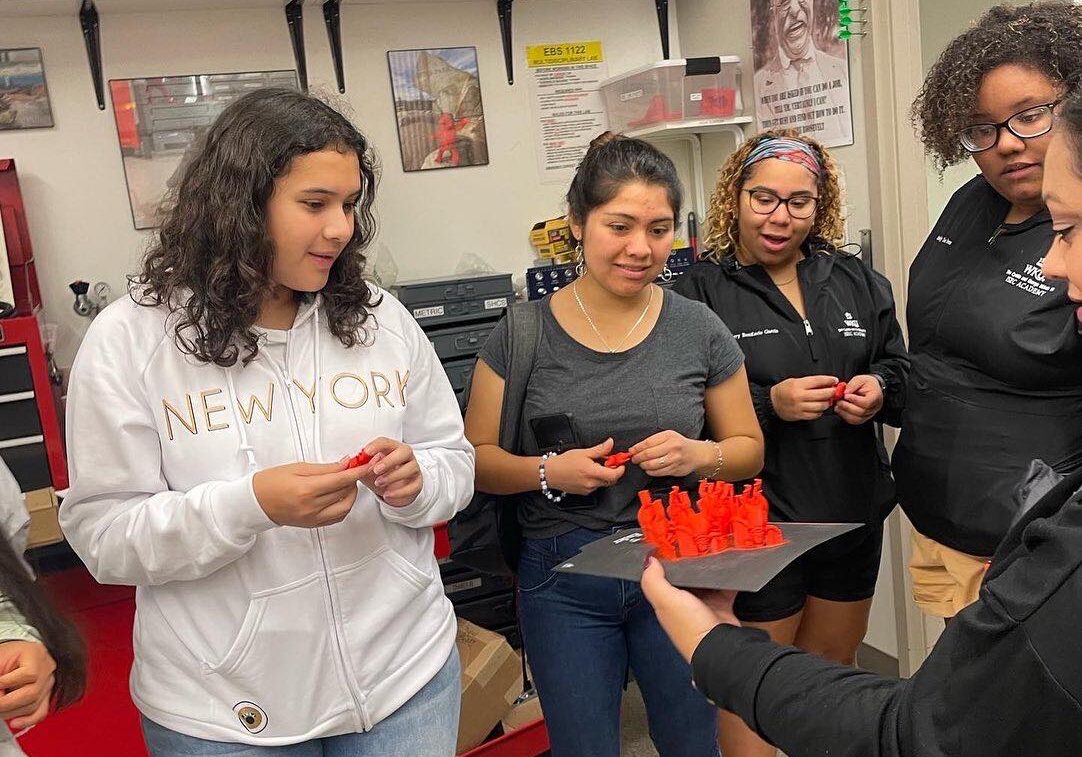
(564, 54)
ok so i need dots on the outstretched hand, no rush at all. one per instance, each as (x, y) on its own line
(686, 617)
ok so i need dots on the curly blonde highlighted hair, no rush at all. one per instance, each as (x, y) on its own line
(722, 217)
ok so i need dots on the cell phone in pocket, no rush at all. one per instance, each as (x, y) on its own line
(554, 433)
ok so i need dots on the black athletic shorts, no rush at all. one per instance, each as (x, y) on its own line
(843, 569)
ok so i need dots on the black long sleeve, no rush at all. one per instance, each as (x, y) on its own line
(764, 408)
(890, 358)
(1004, 680)
(801, 703)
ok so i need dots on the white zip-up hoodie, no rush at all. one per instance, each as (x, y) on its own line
(247, 631)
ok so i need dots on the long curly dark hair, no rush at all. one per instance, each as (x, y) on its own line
(1043, 36)
(212, 259)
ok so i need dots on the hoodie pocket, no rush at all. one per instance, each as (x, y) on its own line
(282, 662)
(391, 611)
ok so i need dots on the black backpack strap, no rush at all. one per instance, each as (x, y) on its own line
(523, 344)
(521, 347)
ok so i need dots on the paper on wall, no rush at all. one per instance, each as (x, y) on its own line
(564, 84)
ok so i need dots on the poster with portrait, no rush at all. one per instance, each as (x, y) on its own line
(437, 105)
(801, 69)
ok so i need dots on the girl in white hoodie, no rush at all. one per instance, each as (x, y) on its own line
(285, 600)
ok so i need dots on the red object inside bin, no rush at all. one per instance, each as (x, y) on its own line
(718, 102)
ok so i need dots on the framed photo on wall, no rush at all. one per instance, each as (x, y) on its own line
(158, 119)
(438, 110)
(24, 97)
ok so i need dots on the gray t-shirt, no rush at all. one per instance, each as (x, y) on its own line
(659, 384)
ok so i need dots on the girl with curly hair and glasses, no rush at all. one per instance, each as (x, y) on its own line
(1003, 679)
(825, 358)
(288, 595)
(997, 366)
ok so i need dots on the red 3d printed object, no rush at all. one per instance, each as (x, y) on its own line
(724, 520)
(361, 458)
(839, 393)
(620, 458)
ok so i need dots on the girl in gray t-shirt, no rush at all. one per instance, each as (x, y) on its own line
(622, 365)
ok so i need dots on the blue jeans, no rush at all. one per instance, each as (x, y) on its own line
(425, 726)
(580, 634)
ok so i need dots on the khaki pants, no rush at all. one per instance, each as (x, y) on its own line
(945, 581)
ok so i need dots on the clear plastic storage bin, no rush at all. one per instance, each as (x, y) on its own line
(671, 91)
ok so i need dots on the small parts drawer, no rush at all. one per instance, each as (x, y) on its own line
(19, 416)
(461, 341)
(459, 373)
(15, 376)
(28, 461)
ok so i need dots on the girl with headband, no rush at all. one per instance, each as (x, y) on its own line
(825, 358)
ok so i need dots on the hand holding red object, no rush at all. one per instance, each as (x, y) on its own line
(392, 472)
(803, 399)
(863, 399)
(839, 393)
(618, 459)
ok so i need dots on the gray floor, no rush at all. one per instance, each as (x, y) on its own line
(636, 738)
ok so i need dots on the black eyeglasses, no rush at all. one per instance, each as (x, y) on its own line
(1026, 124)
(764, 203)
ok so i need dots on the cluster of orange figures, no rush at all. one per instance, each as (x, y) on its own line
(724, 520)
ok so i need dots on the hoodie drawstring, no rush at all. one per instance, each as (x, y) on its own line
(317, 360)
(245, 446)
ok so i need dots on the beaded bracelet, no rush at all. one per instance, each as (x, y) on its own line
(553, 498)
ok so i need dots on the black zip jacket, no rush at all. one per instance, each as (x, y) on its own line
(823, 470)
(996, 374)
(1004, 680)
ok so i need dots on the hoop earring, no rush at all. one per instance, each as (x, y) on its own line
(580, 266)
(666, 274)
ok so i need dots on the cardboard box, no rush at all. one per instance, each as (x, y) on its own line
(491, 682)
(523, 713)
(44, 527)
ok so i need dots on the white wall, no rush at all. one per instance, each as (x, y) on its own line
(73, 180)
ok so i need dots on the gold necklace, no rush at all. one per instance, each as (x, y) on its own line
(781, 284)
(589, 320)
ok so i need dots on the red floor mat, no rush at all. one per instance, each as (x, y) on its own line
(105, 723)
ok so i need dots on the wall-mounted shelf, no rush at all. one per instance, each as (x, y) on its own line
(684, 128)
(690, 134)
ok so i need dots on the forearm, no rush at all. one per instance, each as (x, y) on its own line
(801, 703)
(142, 539)
(741, 458)
(500, 472)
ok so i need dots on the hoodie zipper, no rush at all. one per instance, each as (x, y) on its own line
(357, 698)
(808, 334)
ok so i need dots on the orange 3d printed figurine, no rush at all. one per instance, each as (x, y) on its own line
(361, 458)
(724, 520)
(618, 459)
